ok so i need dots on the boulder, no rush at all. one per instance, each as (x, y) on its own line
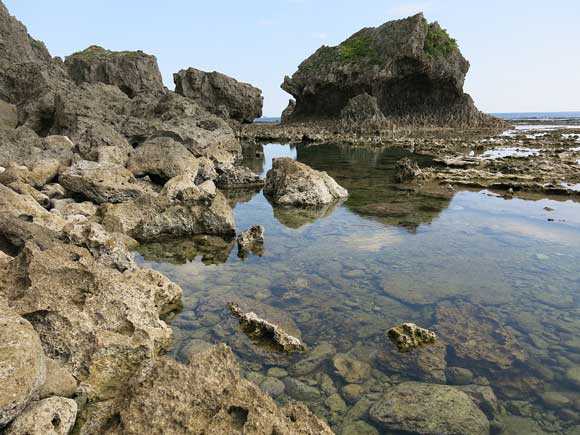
(313, 359)
(352, 370)
(100, 182)
(174, 399)
(37, 175)
(156, 217)
(52, 416)
(238, 177)
(162, 158)
(22, 363)
(409, 336)
(220, 94)
(59, 381)
(428, 409)
(413, 69)
(27, 189)
(291, 183)
(265, 333)
(131, 71)
(251, 240)
(362, 113)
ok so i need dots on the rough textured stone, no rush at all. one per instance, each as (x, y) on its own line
(272, 386)
(238, 176)
(52, 416)
(300, 391)
(409, 336)
(27, 189)
(100, 182)
(22, 363)
(292, 183)
(313, 359)
(8, 115)
(37, 175)
(131, 71)
(220, 94)
(407, 170)
(251, 240)
(362, 113)
(174, 399)
(427, 409)
(151, 218)
(350, 369)
(59, 381)
(413, 69)
(266, 333)
(163, 158)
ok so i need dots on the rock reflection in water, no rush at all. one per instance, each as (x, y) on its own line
(493, 278)
(212, 250)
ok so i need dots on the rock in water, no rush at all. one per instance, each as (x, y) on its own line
(251, 240)
(428, 409)
(131, 71)
(409, 336)
(292, 183)
(266, 333)
(220, 94)
(407, 170)
(413, 69)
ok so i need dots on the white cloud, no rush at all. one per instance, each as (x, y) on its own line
(406, 9)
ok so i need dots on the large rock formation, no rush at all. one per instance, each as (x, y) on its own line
(131, 71)
(413, 69)
(220, 94)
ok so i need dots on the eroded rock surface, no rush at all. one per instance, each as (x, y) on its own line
(196, 402)
(408, 337)
(131, 71)
(52, 416)
(413, 69)
(251, 240)
(220, 94)
(291, 183)
(266, 333)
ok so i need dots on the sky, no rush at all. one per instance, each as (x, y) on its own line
(524, 54)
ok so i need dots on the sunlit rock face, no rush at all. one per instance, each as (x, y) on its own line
(413, 69)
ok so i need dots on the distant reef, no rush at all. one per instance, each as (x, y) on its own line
(404, 72)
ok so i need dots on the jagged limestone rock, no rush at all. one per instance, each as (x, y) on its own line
(52, 416)
(251, 240)
(407, 170)
(266, 333)
(131, 71)
(409, 336)
(413, 68)
(220, 94)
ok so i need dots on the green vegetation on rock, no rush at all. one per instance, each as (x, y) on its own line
(96, 52)
(357, 49)
(438, 43)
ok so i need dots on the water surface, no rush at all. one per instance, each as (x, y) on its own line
(478, 268)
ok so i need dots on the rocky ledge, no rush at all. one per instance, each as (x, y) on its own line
(405, 72)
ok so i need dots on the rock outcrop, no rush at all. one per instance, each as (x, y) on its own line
(131, 71)
(220, 94)
(410, 69)
(208, 396)
(291, 183)
(251, 240)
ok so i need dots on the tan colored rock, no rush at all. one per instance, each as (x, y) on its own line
(8, 115)
(251, 240)
(52, 416)
(101, 182)
(27, 189)
(409, 336)
(172, 399)
(59, 381)
(265, 333)
(292, 183)
(22, 364)
(162, 157)
(39, 173)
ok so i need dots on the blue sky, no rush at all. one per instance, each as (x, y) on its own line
(523, 54)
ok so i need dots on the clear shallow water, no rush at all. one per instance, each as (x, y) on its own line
(497, 279)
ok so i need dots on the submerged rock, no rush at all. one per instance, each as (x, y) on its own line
(291, 183)
(251, 240)
(413, 69)
(266, 333)
(208, 396)
(409, 336)
(220, 94)
(131, 71)
(429, 409)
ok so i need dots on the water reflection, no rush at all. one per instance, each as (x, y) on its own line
(497, 279)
